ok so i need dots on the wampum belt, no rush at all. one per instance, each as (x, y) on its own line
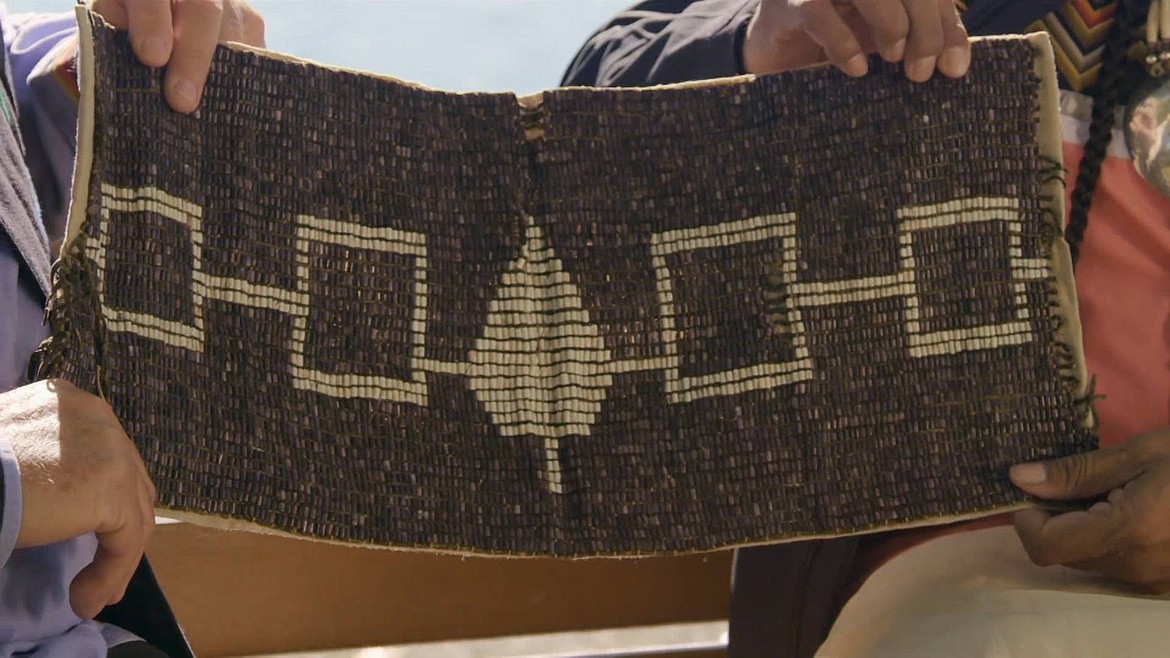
(581, 323)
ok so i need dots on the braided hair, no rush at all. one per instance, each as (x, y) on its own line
(1113, 89)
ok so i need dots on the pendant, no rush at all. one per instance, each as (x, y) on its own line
(1147, 114)
(1146, 132)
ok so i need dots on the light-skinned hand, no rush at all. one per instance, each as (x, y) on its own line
(181, 35)
(79, 473)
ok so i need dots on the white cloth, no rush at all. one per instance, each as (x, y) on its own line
(977, 595)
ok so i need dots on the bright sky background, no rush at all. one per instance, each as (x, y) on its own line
(460, 45)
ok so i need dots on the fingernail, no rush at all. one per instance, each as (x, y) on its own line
(857, 65)
(896, 52)
(955, 61)
(1029, 474)
(154, 50)
(186, 91)
(920, 70)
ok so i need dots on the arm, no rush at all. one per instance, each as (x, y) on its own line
(660, 41)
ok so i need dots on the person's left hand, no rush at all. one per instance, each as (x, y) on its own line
(181, 35)
(1127, 536)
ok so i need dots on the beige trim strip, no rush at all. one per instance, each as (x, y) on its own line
(1051, 147)
(83, 163)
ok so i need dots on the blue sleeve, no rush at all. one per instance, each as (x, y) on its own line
(10, 501)
(35, 47)
(42, 52)
(665, 41)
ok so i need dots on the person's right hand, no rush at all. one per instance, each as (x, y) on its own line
(181, 35)
(923, 34)
(79, 473)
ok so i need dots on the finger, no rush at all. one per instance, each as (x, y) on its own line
(925, 42)
(254, 29)
(825, 26)
(149, 22)
(1145, 568)
(1083, 475)
(105, 580)
(242, 24)
(112, 11)
(197, 26)
(889, 24)
(1071, 537)
(955, 59)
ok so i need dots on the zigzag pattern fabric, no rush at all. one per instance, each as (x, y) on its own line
(1078, 30)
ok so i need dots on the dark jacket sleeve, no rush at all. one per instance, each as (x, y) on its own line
(665, 41)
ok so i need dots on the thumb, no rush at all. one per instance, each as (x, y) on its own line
(1084, 475)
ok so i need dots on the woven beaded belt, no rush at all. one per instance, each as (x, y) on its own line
(588, 322)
